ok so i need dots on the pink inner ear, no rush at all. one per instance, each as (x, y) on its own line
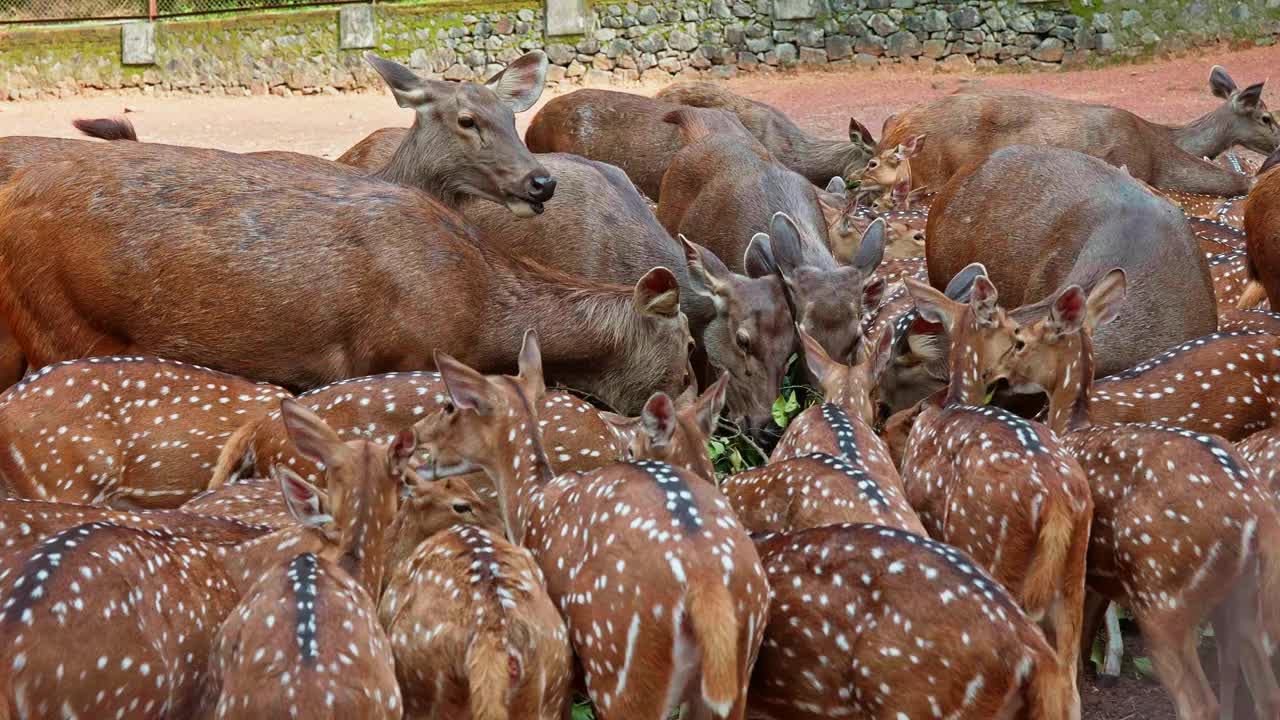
(920, 326)
(658, 282)
(1070, 305)
(660, 413)
(872, 293)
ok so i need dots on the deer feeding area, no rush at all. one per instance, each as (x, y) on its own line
(781, 396)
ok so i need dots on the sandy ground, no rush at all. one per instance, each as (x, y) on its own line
(1170, 91)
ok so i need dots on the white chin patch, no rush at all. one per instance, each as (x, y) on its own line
(523, 208)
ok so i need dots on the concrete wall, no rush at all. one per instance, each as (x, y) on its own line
(312, 51)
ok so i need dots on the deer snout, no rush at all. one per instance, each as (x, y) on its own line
(540, 187)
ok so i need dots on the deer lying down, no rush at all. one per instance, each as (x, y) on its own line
(967, 127)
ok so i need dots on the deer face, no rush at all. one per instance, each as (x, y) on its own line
(1250, 123)
(852, 387)
(676, 432)
(470, 129)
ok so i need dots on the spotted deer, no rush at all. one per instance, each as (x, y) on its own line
(1224, 384)
(576, 435)
(871, 621)
(326, 655)
(999, 487)
(116, 584)
(1230, 278)
(252, 500)
(1255, 321)
(848, 220)
(1183, 532)
(471, 626)
(1216, 237)
(122, 431)
(678, 623)
(676, 432)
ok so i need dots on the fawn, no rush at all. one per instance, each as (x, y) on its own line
(1183, 532)
(680, 621)
(997, 486)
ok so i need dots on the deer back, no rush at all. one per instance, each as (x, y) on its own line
(127, 432)
(1262, 234)
(1252, 321)
(829, 651)
(254, 500)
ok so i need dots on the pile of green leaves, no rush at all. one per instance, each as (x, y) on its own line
(732, 451)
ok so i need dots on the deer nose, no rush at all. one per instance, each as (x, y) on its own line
(541, 188)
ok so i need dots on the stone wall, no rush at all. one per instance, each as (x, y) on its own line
(309, 52)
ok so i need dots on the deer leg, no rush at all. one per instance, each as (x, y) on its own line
(1173, 653)
(1229, 661)
(1239, 638)
(1095, 608)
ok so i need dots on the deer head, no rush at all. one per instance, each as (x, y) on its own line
(432, 506)
(852, 387)
(1243, 118)
(892, 164)
(751, 336)
(676, 432)
(463, 142)
(848, 221)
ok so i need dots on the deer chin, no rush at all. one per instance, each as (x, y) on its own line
(440, 471)
(522, 208)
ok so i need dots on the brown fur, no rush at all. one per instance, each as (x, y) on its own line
(1262, 235)
(967, 127)
(1071, 219)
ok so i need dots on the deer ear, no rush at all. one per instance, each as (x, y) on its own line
(758, 260)
(1066, 316)
(468, 389)
(520, 84)
(933, 306)
(658, 418)
(872, 292)
(400, 455)
(913, 145)
(837, 186)
(984, 300)
(306, 503)
(313, 438)
(711, 403)
(871, 249)
(707, 275)
(1248, 99)
(961, 285)
(1221, 83)
(784, 239)
(1105, 299)
(409, 90)
(530, 364)
(658, 293)
(881, 354)
(859, 133)
(816, 358)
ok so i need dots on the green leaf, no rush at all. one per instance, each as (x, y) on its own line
(583, 712)
(780, 411)
(716, 448)
(736, 461)
(990, 394)
(1145, 670)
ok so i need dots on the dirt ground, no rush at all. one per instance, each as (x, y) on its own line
(1170, 91)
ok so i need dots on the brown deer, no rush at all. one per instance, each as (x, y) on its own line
(1223, 384)
(1182, 533)
(326, 656)
(1073, 218)
(1262, 235)
(676, 432)
(847, 223)
(122, 431)
(816, 159)
(871, 621)
(472, 629)
(997, 486)
(678, 623)
(968, 127)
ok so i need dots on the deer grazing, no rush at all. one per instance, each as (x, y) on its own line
(326, 656)
(870, 621)
(470, 623)
(964, 128)
(1183, 532)
(1072, 215)
(816, 159)
(999, 487)
(1262, 234)
(427, 258)
(122, 431)
(677, 624)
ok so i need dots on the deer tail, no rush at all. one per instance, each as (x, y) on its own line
(489, 672)
(711, 613)
(1268, 549)
(1053, 546)
(107, 129)
(235, 455)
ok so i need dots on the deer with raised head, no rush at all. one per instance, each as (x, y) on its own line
(816, 159)
(1262, 235)
(122, 431)
(472, 629)
(426, 257)
(677, 623)
(968, 127)
(325, 656)
(870, 621)
(1182, 533)
(1072, 219)
(997, 486)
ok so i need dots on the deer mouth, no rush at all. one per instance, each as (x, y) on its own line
(523, 207)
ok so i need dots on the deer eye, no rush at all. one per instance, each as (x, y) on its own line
(466, 122)
(461, 508)
(744, 341)
(873, 164)
(449, 408)
(1268, 120)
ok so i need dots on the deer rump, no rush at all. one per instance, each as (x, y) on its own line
(1042, 218)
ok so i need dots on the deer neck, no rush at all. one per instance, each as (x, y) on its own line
(361, 549)
(417, 164)
(965, 386)
(519, 468)
(1206, 136)
(1069, 396)
(830, 156)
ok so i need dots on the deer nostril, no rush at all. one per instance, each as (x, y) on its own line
(542, 187)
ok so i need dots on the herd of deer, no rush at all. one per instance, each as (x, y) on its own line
(354, 514)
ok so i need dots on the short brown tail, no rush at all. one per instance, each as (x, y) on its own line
(107, 129)
(235, 455)
(489, 670)
(1043, 691)
(715, 625)
(1053, 545)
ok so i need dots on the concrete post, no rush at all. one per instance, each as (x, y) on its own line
(138, 43)
(356, 27)
(566, 17)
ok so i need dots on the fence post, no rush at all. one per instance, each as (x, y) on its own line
(356, 27)
(138, 43)
(151, 9)
(566, 17)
